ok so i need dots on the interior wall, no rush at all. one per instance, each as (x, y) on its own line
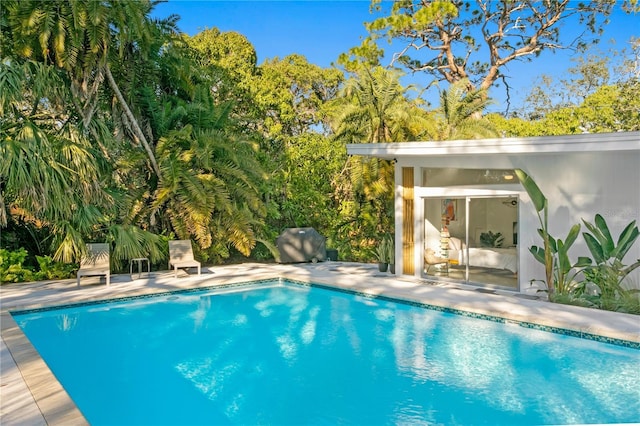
(491, 214)
(457, 227)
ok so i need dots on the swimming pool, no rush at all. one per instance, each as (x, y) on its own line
(275, 353)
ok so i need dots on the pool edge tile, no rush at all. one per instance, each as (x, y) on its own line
(55, 405)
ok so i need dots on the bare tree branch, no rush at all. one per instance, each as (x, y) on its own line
(475, 40)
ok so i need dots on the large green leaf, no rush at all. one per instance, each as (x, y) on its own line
(538, 253)
(536, 195)
(625, 241)
(563, 259)
(583, 262)
(571, 237)
(607, 242)
(594, 247)
(563, 248)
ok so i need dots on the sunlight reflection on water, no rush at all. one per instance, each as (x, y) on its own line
(242, 357)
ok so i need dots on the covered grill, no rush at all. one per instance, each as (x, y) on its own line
(301, 245)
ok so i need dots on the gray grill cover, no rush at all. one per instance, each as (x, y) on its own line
(301, 245)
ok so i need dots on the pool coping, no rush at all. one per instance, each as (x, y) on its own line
(32, 395)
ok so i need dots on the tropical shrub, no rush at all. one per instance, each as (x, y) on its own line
(54, 270)
(606, 271)
(601, 283)
(383, 251)
(12, 269)
(554, 254)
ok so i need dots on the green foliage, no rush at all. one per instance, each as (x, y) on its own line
(606, 273)
(381, 252)
(375, 107)
(459, 115)
(227, 63)
(391, 250)
(554, 254)
(626, 302)
(11, 268)
(514, 126)
(385, 251)
(606, 270)
(291, 93)
(591, 100)
(53, 270)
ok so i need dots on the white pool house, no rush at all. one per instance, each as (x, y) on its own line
(461, 201)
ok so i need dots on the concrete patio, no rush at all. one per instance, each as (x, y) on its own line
(31, 395)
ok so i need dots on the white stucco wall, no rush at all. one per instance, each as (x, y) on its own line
(578, 186)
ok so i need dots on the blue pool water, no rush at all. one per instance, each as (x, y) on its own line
(293, 354)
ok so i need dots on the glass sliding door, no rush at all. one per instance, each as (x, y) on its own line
(472, 239)
(491, 254)
(445, 227)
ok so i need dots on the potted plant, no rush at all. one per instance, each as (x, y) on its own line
(391, 253)
(382, 253)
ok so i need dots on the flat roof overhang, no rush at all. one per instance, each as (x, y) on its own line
(589, 142)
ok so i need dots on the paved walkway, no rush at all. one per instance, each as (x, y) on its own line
(30, 394)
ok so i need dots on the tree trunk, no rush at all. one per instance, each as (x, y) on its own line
(134, 123)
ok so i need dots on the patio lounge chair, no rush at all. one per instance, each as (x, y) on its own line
(96, 262)
(181, 256)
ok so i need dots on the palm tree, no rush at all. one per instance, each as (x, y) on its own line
(84, 38)
(459, 115)
(49, 167)
(210, 177)
(53, 177)
(373, 107)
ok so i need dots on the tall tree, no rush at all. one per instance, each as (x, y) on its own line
(289, 94)
(85, 38)
(598, 95)
(210, 177)
(228, 62)
(456, 40)
(457, 117)
(55, 190)
(590, 72)
(373, 107)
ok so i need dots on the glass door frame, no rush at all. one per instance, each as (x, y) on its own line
(462, 196)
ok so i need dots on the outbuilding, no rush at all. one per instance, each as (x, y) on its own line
(461, 201)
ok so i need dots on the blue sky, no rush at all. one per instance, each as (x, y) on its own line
(321, 30)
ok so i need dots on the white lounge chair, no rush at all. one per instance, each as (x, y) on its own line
(181, 256)
(96, 262)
